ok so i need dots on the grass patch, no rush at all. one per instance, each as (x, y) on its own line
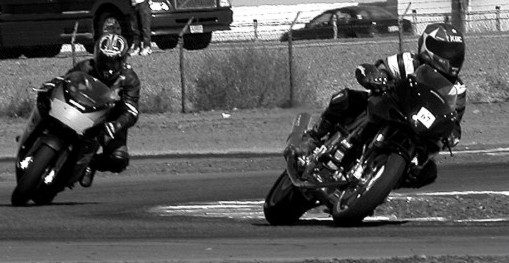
(251, 75)
(18, 104)
(494, 89)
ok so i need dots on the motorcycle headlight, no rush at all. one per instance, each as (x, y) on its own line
(224, 3)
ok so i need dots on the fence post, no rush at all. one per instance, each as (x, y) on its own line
(73, 44)
(335, 25)
(255, 25)
(290, 59)
(400, 28)
(414, 16)
(497, 8)
(182, 64)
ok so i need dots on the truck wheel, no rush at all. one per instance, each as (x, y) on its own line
(89, 48)
(6, 53)
(166, 42)
(197, 41)
(42, 51)
(109, 23)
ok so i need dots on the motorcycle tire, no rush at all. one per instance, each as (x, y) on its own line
(354, 204)
(285, 203)
(45, 196)
(29, 182)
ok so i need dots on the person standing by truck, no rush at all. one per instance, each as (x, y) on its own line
(140, 26)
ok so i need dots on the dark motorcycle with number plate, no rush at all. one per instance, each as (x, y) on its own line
(355, 169)
(57, 146)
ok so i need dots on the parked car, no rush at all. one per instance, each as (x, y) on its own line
(351, 21)
(39, 28)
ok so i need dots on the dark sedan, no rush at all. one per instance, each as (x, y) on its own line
(352, 21)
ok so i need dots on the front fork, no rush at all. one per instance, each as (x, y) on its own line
(85, 153)
(73, 160)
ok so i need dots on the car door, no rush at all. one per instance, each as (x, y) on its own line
(76, 11)
(362, 24)
(343, 23)
(318, 28)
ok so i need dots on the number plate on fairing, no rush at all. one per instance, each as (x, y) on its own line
(425, 117)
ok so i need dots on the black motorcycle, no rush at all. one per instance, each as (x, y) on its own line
(57, 146)
(355, 168)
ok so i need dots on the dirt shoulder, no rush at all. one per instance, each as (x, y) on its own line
(258, 130)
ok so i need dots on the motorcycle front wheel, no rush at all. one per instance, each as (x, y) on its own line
(285, 203)
(32, 177)
(355, 203)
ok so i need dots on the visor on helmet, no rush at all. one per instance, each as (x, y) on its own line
(453, 52)
(110, 53)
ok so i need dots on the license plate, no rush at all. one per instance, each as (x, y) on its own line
(393, 28)
(425, 117)
(196, 29)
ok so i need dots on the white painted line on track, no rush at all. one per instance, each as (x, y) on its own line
(451, 193)
(253, 209)
(494, 151)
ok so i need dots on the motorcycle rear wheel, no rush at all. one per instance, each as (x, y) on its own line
(285, 203)
(32, 178)
(358, 202)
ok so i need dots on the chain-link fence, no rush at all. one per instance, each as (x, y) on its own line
(251, 68)
(322, 67)
(270, 24)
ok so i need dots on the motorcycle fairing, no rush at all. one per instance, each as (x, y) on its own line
(426, 102)
(88, 93)
(81, 102)
(33, 122)
(430, 104)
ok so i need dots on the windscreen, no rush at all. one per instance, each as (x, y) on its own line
(429, 78)
(88, 91)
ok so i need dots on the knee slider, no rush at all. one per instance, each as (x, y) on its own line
(119, 161)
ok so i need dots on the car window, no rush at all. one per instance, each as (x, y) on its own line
(321, 19)
(363, 14)
(381, 14)
(343, 17)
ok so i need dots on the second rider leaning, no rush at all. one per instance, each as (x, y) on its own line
(110, 67)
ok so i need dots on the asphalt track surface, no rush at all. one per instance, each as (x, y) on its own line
(148, 218)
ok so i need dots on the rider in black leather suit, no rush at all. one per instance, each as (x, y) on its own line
(110, 67)
(441, 46)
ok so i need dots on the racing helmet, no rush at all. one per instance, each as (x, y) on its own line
(110, 53)
(443, 47)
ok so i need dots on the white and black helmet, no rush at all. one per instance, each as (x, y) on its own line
(443, 47)
(110, 53)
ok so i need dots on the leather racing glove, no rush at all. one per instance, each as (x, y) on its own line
(372, 78)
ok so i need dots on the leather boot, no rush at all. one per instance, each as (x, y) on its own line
(311, 139)
(321, 128)
(88, 177)
(421, 175)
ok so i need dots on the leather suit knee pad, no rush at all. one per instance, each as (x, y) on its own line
(119, 161)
